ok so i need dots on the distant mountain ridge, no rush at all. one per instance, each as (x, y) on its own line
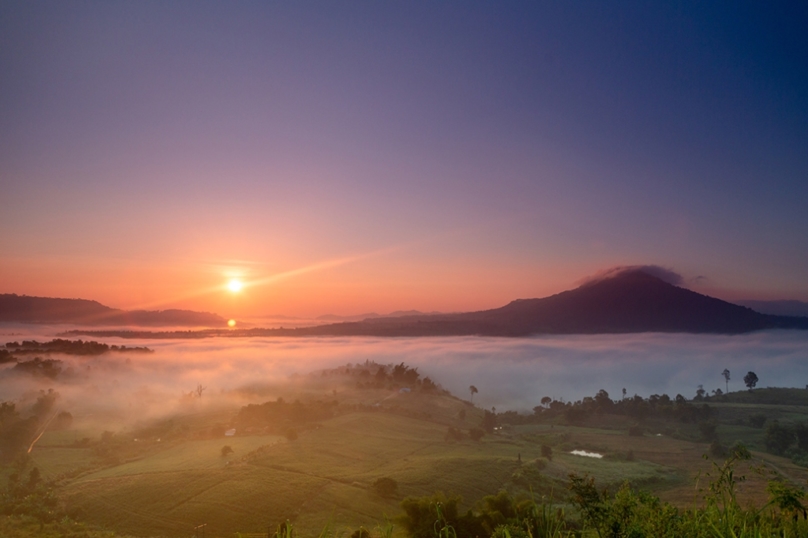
(373, 315)
(630, 301)
(27, 309)
(777, 308)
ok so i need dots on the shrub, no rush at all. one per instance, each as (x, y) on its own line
(757, 420)
(385, 487)
(476, 434)
(707, 429)
(361, 532)
(778, 438)
(717, 450)
(226, 450)
(547, 452)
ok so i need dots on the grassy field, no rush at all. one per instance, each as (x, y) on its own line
(325, 476)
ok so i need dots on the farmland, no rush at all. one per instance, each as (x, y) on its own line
(166, 478)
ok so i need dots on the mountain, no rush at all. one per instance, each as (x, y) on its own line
(25, 309)
(372, 315)
(777, 308)
(628, 302)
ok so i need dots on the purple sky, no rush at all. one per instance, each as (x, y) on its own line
(353, 156)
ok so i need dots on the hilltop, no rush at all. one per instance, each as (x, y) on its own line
(26, 309)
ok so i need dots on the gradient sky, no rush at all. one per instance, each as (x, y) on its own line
(346, 157)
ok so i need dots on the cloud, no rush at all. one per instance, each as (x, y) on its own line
(662, 273)
(510, 373)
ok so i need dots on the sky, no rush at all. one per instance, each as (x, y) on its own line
(349, 157)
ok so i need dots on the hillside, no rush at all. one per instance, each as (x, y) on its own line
(164, 478)
(25, 309)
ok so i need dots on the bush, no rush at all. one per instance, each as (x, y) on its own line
(707, 429)
(226, 450)
(717, 450)
(546, 452)
(778, 438)
(385, 487)
(476, 434)
(757, 420)
(361, 532)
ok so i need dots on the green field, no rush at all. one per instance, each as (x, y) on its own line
(324, 473)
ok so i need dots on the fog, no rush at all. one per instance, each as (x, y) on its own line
(509, 373)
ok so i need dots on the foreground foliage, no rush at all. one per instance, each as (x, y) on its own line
(625, 514)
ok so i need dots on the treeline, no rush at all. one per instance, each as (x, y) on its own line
(372, 375)
(638, 408)
(68, 347)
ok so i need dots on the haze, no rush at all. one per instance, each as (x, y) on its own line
(509, 373)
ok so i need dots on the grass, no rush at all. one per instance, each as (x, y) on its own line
(325, 476)
(190, 455)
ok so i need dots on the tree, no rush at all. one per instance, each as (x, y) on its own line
(473, 390)
(489, 422)
(546, 401)
(725, 373)
(750, 380)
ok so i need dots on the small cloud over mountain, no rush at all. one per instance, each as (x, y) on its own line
(662, 273)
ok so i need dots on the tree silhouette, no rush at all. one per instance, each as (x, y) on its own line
(473, 390)
(725, 373)
(750, 380)
(546, 401)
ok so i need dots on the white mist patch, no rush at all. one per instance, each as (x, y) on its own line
(586, 454)
(509, 373)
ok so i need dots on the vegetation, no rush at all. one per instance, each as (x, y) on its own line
(69, 347)
(348, 445)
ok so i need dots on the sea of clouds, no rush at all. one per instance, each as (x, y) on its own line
(510, 373)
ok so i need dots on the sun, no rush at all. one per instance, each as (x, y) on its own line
(235, 285)
(231, 323)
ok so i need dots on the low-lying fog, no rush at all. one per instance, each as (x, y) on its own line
(510, 373)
